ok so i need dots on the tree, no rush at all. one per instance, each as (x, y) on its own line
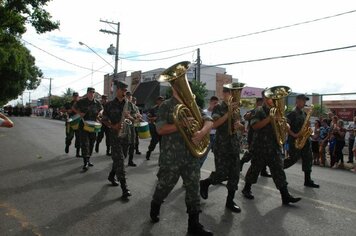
(17, 67)
(198, 89)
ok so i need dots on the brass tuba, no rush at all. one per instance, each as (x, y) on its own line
(234, 113)
(305, 131)
(278, 120)
(183, 113)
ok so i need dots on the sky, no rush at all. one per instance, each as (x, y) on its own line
(226, 31)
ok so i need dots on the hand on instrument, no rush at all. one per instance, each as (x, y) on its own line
(197, 137)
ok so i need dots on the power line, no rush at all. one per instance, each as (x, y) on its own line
(64, 60)
(280, 57)
(245, 35)
(160, 59)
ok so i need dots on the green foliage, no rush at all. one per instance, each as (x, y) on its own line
(198, 89)
(17, 67)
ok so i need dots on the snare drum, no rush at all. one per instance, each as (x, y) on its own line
(92, 126)
(143, 130)
(74, 121)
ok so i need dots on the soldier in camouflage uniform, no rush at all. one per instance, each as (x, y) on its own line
(152, 117)
(104, 130)
(296, 120)
(266, 151)
(70, 133)
(88, 108)
(113, 116)
(226, 151)
(176, 161)
(247, 155)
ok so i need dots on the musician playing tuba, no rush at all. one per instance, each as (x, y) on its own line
(176, 158)
(227, 146)
(297, 120)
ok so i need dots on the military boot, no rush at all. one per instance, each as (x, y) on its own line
(78, 152)
(125, 191)
(308, 182)
(204, 188)
(89, 163)
(230, 204)
(195, 228)
(154, 212)
(66, 149)
(148, 154)
(246, 192)
(287, 198)
(108, 153)
(112, 179)
(85, 166)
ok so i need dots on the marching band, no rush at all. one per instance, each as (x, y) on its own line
(183, 130)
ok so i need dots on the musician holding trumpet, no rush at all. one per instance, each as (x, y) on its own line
(116, 115)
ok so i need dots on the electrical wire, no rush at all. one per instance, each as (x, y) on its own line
(280, 57)
(245, 35)
(160, 59)
(64, 60)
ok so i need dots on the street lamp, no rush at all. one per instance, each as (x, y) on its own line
(81, 43)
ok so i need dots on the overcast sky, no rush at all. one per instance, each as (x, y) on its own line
(225, 31)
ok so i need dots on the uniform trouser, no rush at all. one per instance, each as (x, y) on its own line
(295, 154)
(137, 141)
(259, 160)
(351, 153)
(70, 133)
(211, 147)
(155, 138)
(129, 144)
(227, 166)
(87, 140)
(184, 166)
(117, 156)
(104, 130)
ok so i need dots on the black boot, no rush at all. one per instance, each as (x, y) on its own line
(138, 152)
(66, 148)
(154, 212)
(148, 154)
(194, 226)
(230, 204)
(246, 192)
(264, 173)
(85, 166)
(78, 152)
(131, 163)
(97, 147)
(108, 153)
(125, 191)
(112, 179)
(89, 163)
(308, 182)
(204, 187)
(287, 198)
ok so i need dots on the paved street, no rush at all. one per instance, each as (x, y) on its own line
(43, 191)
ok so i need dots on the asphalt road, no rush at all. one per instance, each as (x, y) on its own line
(43, 191)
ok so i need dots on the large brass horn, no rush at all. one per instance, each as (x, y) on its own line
(186, 116)
(234, 113)
(278, 119)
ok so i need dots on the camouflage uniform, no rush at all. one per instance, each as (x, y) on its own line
(155, 138)
(265, 151)
(113, 113)
(226, 151)
(91, 110)
(104, 130)
(130, 140)
(296, 120)
(70, 133)
(175, 160)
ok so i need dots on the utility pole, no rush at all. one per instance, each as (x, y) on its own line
(117, 33)
(50, 90)
(198, 65)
